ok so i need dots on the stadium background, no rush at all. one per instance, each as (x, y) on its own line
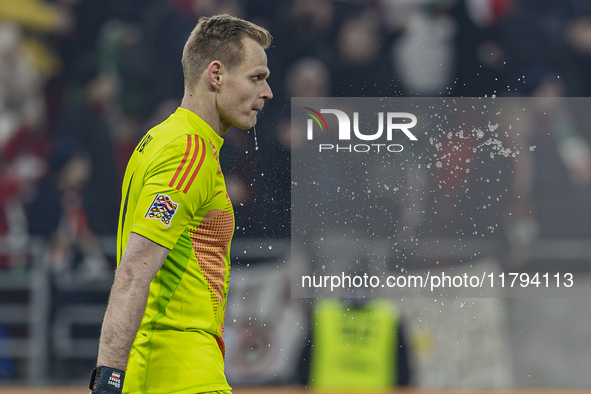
(82, 80)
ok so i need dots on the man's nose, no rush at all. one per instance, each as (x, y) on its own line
(267, 93)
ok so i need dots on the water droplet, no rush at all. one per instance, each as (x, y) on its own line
(256, 144)
(438, 164)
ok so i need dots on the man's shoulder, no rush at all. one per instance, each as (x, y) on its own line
(177, 151)
(175, 132)
(166, 136)
(168, 131)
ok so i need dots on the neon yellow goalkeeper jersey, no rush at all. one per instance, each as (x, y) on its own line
(174, 194)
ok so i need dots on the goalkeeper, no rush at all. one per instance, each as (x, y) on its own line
(162, 331)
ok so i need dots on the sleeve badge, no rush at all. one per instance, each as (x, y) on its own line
(163, 209)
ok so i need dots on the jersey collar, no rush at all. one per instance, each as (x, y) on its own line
(202, 128)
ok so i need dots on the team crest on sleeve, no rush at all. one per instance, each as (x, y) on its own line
(162, 208)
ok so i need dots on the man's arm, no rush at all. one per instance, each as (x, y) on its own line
(140, 263)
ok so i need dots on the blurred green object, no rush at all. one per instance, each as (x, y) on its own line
(353, 345)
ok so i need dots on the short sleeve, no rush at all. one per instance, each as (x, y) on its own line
(179, 182)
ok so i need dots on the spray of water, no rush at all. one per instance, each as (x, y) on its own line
(256, 144)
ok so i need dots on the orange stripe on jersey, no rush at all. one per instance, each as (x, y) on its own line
(188, 170)
(178, 170)
(196, 169)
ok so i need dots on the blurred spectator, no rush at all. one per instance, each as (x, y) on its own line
(362, 69)
(37, 15)
(481, 57)
(79, 196)
(307, 77)
(39, 18)
(165, 27)
(552, 33)
(561, 178)
(88, 125)
(21, 100)
(22, 115)
(304, 28)
(60, 215)
(424, 54)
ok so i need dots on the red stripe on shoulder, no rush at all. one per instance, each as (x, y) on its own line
(196, 169)
(193, 158)
(183, 162)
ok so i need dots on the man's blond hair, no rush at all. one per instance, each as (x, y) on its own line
(218, 38)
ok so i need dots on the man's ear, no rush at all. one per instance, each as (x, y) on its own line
(214, 74)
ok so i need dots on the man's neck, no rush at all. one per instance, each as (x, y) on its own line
(206, 109)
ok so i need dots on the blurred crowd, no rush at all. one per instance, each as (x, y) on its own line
(81, 81)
